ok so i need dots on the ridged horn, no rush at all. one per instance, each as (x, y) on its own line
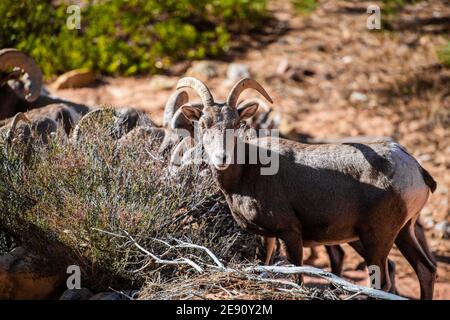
(176, 100)
(199, 87)
(242, 85)
(18, 117)
(260, 102)
(12, 58)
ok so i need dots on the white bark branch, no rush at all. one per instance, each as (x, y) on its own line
(344, 284)
(163, 261)
(183, 244)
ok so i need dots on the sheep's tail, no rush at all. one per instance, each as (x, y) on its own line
(429, 181)
(427, 178)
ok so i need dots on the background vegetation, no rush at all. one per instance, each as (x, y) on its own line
(304, 6)
(125, 37)
(444, 55)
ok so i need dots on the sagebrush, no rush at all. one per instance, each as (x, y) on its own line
(74, 203)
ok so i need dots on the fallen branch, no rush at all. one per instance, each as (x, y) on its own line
(162, 261)
(339, 282)
(183, 244)
(249, 271)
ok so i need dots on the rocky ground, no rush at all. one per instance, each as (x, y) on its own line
(332, 77)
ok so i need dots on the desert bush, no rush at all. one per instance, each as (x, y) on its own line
(125, 37)
(390, 7)
(444, 55)
(304, 6)
(78, 201)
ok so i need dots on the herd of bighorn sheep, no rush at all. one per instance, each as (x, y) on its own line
(367, 192)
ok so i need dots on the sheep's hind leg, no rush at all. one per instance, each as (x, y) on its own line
(420, 235)
(336, 255)
(358, 247)
(411, 249)
(269, 245)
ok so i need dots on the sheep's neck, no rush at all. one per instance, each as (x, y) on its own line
(229, 178)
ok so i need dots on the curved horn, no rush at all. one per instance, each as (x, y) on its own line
(18, 117)
(176, 100)
(241, 86)
(199, 87)
(261, 103)
(11, 58)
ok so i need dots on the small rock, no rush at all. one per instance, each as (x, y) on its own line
(75, 79)
(160, 82)
(358, 97)
(117, 92)
(108, 296)
(22, 278)
(203, 70)
(76, 294)
(179, 68)
(347, 60)
(237, 71)
(427, 222)
(442, 229)
(283, 66)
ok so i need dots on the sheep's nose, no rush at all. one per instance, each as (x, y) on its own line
(220, 157)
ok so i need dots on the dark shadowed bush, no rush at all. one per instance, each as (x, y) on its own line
(125, 37)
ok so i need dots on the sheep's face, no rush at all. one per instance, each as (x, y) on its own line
(218, 126)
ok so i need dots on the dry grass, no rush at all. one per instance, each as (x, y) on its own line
(231, 286)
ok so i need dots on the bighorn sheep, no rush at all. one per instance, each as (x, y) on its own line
(120, 121)
(187, 152)
(366, 194)
(21, 90)
(30, 130)
(13, 132)
(20, 82)
(335, 252)
(264, 121)
(58, 113)
(170, 134)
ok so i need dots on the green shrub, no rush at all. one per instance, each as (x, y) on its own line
(444, 55)
(70, 199)
(125, 37)
(304, 6)
(390, 7)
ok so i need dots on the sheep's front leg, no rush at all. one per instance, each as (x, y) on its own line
(292, 242)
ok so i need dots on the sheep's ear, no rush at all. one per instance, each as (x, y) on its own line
(247, 110)
(191, 113)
